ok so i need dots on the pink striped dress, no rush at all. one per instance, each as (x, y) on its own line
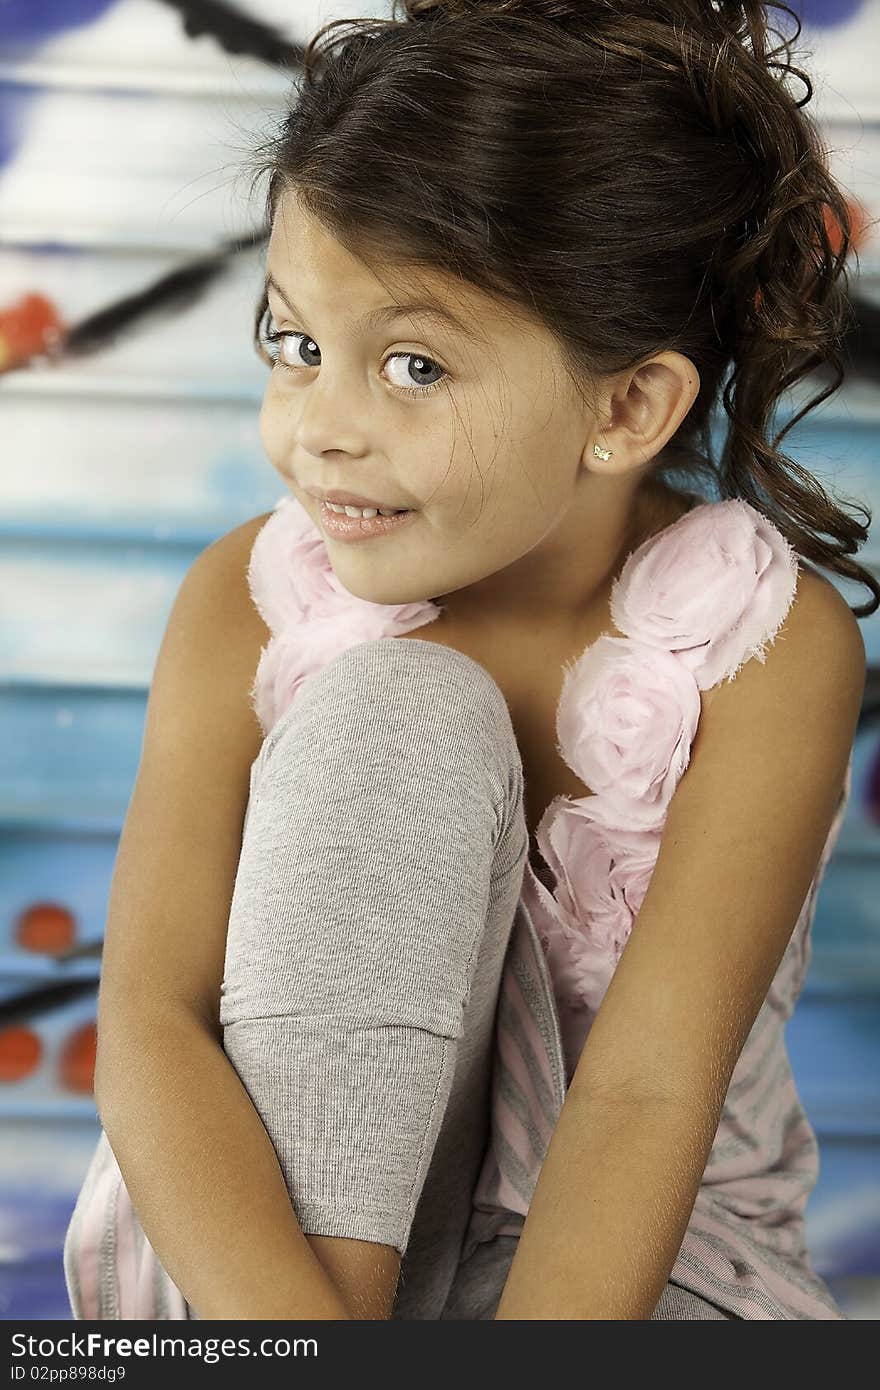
(695, 602)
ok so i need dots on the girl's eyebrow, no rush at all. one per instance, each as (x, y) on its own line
(425, 308)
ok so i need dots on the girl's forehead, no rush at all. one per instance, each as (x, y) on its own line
(318, 256)
(376, 286)
(301, 250)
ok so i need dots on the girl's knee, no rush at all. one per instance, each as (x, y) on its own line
(410, 673)
(385, 824)
(410, 705)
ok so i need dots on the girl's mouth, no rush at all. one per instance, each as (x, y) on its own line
(342, 527)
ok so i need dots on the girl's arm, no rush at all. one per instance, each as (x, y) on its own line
(197, 1161)
(743, 836)
(204, 1178)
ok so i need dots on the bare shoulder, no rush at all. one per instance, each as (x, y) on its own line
(820, 645)
(227, 559)
(199, 702)
(821, 629)
(241, 538)
(823, 602)
(780, 734)
(214, 617)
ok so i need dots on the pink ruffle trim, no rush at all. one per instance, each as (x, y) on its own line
(311, 616)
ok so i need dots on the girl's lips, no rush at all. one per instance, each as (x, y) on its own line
(341, 527)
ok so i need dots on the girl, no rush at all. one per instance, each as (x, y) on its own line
(460, 985)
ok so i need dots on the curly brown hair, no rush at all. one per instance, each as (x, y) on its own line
(637, 173)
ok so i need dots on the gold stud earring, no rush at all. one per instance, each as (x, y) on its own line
(602, 453)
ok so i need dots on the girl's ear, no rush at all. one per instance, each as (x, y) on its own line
(644, 408)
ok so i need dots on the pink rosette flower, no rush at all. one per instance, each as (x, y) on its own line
(584, 924)
(289, 574)
(311, 615)
(294, 654)
(625, 723)
(289, 659)
(714, 587)
(292, 580)
(601, 876)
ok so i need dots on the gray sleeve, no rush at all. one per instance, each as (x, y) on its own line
(370, 851)
(353, 1112)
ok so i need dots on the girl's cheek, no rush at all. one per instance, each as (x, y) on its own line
(271, 428)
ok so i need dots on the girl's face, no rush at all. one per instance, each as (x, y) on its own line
(472, 425)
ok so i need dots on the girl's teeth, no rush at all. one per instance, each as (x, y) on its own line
(367, 512)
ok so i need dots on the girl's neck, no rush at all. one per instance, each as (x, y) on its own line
(565, 581)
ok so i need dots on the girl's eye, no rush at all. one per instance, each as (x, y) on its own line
(307, 348)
